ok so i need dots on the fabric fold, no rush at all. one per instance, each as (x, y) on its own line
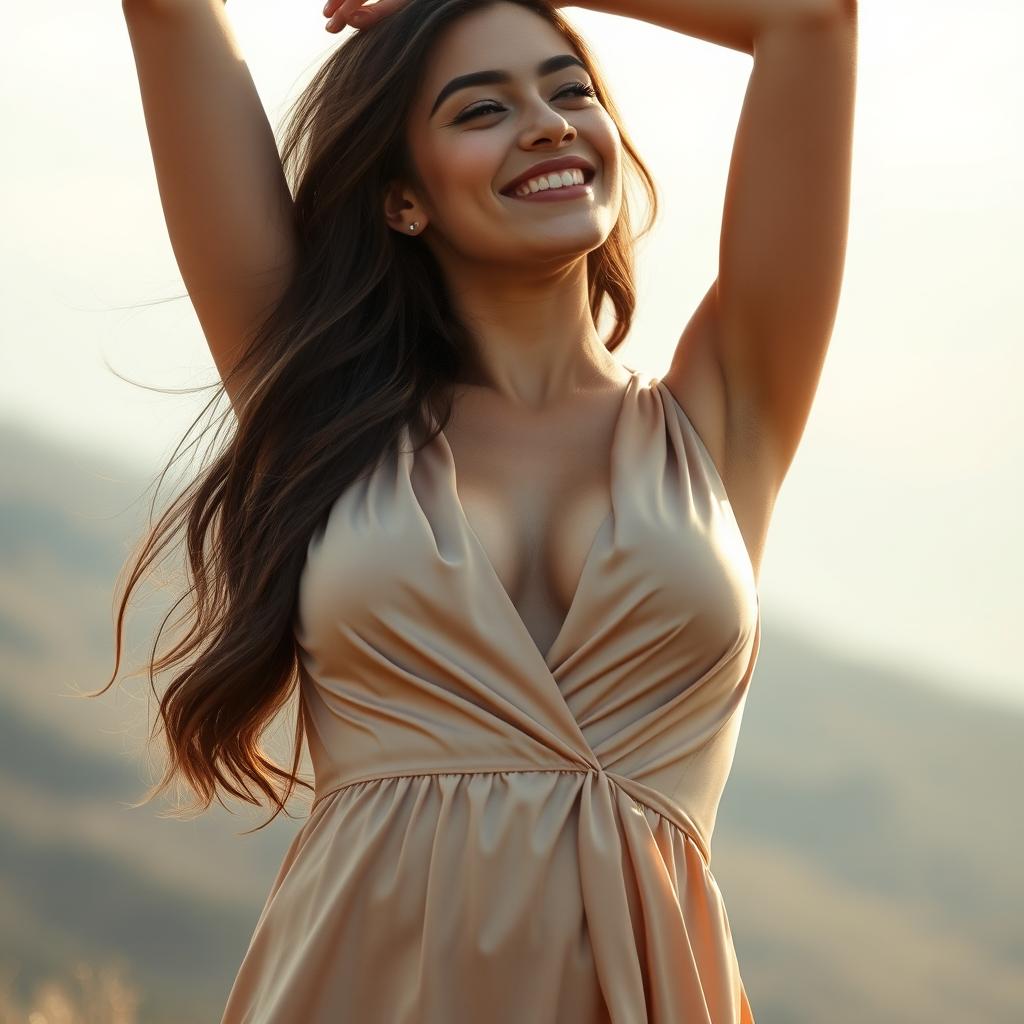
(498, 834)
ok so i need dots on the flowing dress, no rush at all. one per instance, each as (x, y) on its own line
(500, 836)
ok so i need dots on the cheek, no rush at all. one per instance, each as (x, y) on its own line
(472, 162)
(606, 138)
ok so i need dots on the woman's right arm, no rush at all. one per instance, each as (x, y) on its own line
(222, 187)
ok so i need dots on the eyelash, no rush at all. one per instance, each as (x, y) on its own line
(579, 88)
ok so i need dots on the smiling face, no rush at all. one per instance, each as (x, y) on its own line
(470, 135)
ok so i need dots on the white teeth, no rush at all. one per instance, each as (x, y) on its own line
(574, 176)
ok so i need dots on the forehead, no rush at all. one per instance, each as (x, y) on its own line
(504, 37)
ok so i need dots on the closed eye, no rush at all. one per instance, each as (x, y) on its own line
(490, 107)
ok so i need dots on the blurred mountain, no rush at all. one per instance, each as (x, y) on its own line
(866, 845)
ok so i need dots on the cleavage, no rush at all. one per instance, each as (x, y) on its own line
(535, 500)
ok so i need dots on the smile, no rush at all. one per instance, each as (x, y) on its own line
(557, 194)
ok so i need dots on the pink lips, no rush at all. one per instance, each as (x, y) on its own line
(563, 163)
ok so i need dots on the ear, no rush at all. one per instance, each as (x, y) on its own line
(401, 209)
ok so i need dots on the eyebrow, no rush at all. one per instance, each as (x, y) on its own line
(546, 67)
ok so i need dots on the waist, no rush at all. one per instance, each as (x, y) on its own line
(643, 795)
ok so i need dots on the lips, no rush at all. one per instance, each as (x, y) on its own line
(552, 167)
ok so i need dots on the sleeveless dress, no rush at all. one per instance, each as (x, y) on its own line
(498, 836)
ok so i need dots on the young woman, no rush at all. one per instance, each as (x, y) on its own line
(513, 582)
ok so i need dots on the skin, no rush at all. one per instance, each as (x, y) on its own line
(747, 364)
(517, 269)
(541, 396)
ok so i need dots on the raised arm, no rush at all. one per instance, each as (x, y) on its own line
(225, 199)
(759, 336)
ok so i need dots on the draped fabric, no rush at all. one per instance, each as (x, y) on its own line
(499, 835)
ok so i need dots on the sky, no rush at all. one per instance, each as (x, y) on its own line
(896, 534)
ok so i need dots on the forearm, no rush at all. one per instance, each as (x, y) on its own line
(733, 23)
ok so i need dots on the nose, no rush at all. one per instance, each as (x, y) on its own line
(550, 127)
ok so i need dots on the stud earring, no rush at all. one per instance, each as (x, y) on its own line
(414, 225)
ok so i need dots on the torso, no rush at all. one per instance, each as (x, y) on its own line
(534, 486)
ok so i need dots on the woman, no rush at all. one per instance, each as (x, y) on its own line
(512, 580)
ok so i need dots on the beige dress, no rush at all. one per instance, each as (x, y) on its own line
(500, 837)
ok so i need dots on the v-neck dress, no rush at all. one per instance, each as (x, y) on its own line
(500, 836)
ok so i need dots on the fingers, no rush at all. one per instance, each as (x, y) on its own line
(382, 8)
(337, 18)
(347, 12)
(339, 12)
(355, 12)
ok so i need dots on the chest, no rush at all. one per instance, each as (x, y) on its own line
(479, 540)
(535, 493)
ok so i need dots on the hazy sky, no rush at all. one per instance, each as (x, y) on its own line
(893, 535)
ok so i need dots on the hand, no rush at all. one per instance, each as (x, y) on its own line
(355, 12)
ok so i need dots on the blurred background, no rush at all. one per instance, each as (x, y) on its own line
(868, 839)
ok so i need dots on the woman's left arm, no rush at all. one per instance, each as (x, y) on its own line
(767, 319)
(732, 23)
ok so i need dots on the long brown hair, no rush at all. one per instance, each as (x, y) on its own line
(361, 339)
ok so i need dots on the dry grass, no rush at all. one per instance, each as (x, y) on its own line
(87, 995)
